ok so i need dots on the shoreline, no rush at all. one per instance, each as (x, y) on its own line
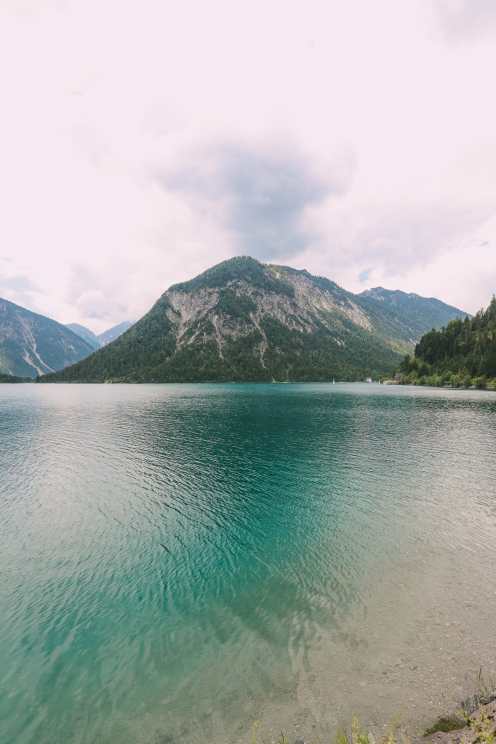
(473, 722)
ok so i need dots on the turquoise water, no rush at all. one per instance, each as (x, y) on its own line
(181, 561)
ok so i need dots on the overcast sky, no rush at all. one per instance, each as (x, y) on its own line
(141, 142)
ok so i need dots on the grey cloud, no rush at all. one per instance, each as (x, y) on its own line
(395, 242)
(414, 237)
(19, 289)
(263, 192)
(18, 283)
(466, 19)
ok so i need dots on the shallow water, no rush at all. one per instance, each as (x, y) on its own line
(180, 561)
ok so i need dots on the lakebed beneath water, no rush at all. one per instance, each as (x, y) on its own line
(180, 561)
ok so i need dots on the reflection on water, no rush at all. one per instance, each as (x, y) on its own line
(179, 561)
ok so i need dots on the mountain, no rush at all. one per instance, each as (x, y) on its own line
(244, 320)
(414, 315)
(112, 333)
(32, 345)
(463, 354)
(85, 333)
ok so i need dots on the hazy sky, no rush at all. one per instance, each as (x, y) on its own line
(141, 142)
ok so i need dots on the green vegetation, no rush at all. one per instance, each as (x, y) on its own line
(241, 268)
(407, 316)
(463, 354)
(12, 378)
(133, 357)
(318, 356)
(476, 721)
(445, 724)
(150, 352)
(475, 726)
(235, 306)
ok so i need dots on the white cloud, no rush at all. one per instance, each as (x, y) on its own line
(384, 159)
(464, 19)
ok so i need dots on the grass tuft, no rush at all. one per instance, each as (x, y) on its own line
(445, 724)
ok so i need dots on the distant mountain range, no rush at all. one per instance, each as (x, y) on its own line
(85, 333)
(33, 345)
(102, 339)
(112, 333)
(244, 320)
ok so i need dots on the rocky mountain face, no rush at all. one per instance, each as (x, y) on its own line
(244, 320)
(32, 345)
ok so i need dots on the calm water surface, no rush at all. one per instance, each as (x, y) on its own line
(178, 562)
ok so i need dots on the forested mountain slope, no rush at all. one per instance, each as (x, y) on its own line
(413, 315)
(463, 354)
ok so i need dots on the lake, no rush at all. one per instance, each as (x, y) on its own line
(181, 561)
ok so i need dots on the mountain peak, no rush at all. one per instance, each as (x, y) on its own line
(238, 268)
